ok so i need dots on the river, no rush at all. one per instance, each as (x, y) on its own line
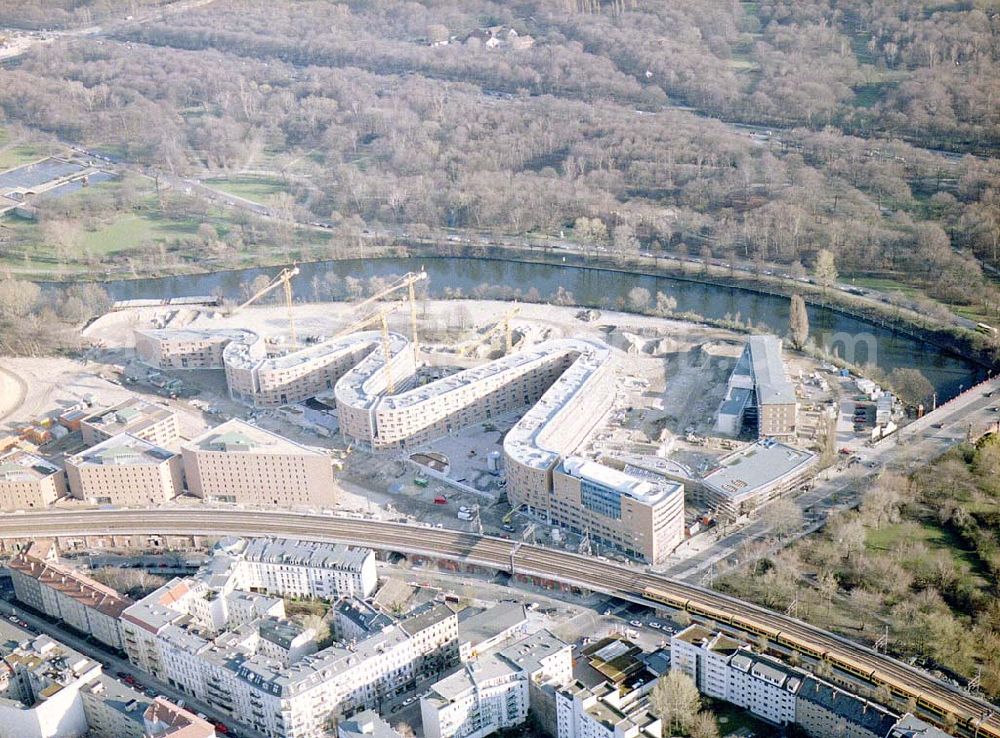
(595, 287)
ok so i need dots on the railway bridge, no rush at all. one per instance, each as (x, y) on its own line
(940, 702)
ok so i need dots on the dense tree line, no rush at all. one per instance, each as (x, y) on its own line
(56, 14)
(920, 555)
(576, 135)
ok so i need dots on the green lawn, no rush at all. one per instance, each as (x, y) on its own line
(126, 232)
(15, 156)
(884, 285)
(934, 537)
(889, 536)
(732, 719)
(258, 189)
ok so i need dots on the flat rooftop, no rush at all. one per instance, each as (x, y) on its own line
(131, 416)
(528, 653)
(363, 385)
(482, 625)
(646, 490)
(21, 466)
(192, 335)
(122, 450)
(773, 387)
(237, 436)
(524, 441)
(756, 466)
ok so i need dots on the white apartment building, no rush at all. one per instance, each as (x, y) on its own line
(308, 569)
(487, 695)
(729, 670)
(366, 724)
(40, 687)
(245, 663)
(59, 591)
(610, 696)
(604, 712)
(127, 471)
(493, 691)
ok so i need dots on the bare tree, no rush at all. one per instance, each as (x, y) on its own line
(825, 270)
(676, 701)
(704, 725)
(798, 322)
(783, 516)
(638, 299)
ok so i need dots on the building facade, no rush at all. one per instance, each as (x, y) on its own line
(126, 471)
(638, 517)
(726, 669)
(62, 592)
(759, 395)
(493, 692)
(29, 482)
(746, 479)
(308, 569)
(146, 420)
(241, 463)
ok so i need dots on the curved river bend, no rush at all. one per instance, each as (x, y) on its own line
(598, 288)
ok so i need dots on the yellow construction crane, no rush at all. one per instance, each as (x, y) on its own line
(503, 323)
(382, 317)
(284, 278)
(408, 281)
(508, 336)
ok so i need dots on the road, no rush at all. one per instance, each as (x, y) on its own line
(911, 447)
(13, 390)
(527, 560)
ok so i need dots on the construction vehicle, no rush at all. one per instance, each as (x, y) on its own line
(284, 278)
(510, 515)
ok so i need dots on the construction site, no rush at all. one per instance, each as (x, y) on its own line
(454, 413)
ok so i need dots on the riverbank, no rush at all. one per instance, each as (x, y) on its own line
(887, 336)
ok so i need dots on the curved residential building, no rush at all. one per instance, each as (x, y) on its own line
(567, 385)
(257, 379)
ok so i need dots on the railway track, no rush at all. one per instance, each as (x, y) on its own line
(976, 717)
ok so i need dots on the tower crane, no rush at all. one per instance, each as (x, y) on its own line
(504, 324)
(381, 316)
(408, 281)
(284, 278)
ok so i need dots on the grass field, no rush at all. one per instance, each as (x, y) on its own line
(126, 232)
(934, 537)
(258, 189)
(13, 154)
(885, 285)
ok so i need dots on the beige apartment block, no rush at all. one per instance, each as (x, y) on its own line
(127, 471)
(263, 380)
(146, 420)
(641, 517)
(185, 349)
(241, 463)
(29, 482)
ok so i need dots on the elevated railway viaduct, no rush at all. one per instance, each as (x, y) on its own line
(945, 705)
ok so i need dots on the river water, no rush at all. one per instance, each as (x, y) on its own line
(596, 287)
